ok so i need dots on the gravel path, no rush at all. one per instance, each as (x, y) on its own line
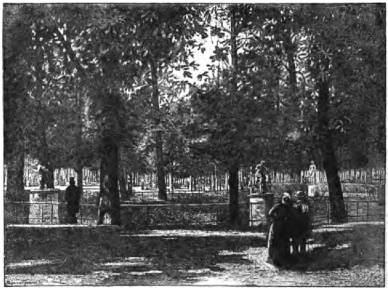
(111, 257)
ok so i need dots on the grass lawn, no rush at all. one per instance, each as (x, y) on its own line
(81, 255)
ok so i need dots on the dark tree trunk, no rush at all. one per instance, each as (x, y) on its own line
(102, 177)
(130, 185)
(172, 181)
(46, 160)
(290, 53)
(79, 164)
(123, 184)
(162, 194)
(233, 196)
(15, 178)
(50, 177)
(80, 177)
(291, 63)
(337, 205)
(44, 147)
(109, 167)
(233, 168)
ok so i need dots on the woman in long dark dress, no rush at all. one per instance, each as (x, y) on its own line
(279, 234)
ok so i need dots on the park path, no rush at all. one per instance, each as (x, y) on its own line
(256, 273)
(167, 258)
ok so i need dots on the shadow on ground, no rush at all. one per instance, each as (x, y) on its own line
(178, 257)
(143, 254)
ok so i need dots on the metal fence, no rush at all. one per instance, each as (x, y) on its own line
(45, 213)
(179, 214)
(181, 196)
(357, 210)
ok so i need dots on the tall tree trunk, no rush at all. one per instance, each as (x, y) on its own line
(277, 86)
(50, 177)
(162, 194)
(123, 184)
(79, 164)
(290, 53)
(80, 177)
(380, 14)
(337, 205)
(233, 168)
(233, 195)
(109, 167)
(15, 178)
(102, 177)
(109, 155)
(172, 181)
(71, 54)
(291, 63)
(45, 160)
(44, 156)
(130, 184)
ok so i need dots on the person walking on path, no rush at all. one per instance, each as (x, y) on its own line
(279, 235)
(72, 198)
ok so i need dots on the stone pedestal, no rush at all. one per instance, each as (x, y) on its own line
(311, 189)
(304, 187)
(44, 207)
(256, 210)
(259, 206)
(381, 195)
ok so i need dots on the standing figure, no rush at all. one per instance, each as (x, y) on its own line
(300, 224)
(279, 235)
(312, 172)
(72, 198)
(103, 201)
(261, 173)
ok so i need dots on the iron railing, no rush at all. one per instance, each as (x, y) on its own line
(143, 214)
(154, 214)
(357, 210)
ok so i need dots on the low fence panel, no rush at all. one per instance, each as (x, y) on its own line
(178, 214)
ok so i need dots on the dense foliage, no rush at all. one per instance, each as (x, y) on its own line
(117, 87)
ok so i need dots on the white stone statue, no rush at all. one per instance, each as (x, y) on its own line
(312, 173)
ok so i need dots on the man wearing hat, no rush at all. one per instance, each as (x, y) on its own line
(302, 224)
(72, 198)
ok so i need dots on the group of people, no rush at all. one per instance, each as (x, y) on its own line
(289, 230)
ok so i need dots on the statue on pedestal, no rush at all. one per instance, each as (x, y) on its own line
(42, 172)
(312, 173)
(261, 174)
